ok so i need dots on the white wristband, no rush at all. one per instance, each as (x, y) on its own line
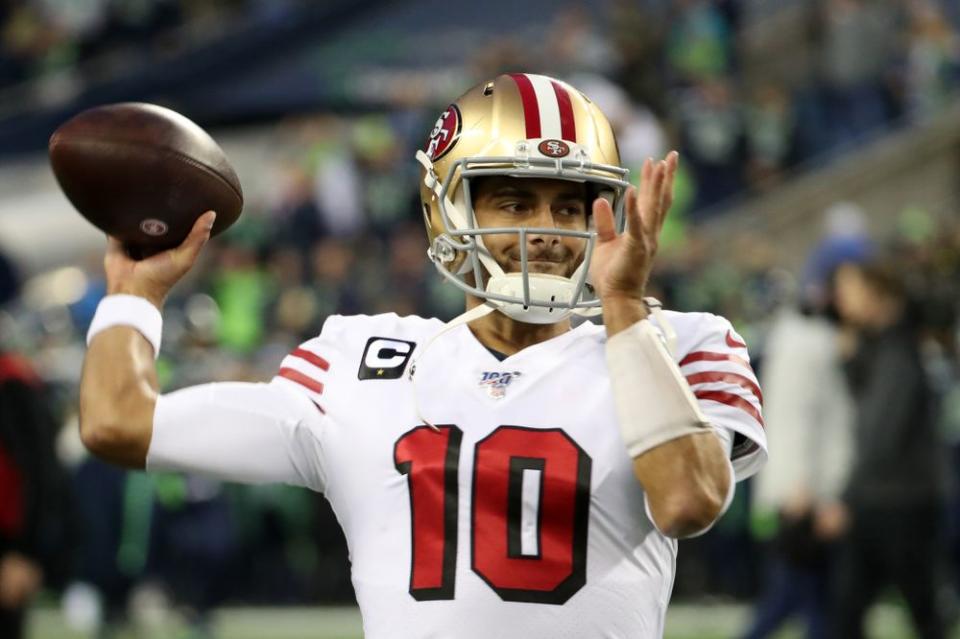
(128, 310)
(653, 400)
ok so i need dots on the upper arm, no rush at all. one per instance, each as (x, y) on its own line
(715, 362)
(239, 432)
(252, 432)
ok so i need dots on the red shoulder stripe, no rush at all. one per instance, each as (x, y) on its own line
(731, 400)
(296, 376)
(313, 358)
(733, 342)
(730, 378)
(707, 356)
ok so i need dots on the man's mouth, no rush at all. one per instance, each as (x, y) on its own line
(539, 265)
(537, 260)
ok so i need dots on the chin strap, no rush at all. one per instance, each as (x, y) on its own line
(669, 335)
(474, 313)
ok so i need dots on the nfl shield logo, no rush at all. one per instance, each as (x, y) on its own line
(496, 382)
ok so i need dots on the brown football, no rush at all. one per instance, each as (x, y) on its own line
(144, 174)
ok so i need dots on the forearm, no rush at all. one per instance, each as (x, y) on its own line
(118, 388)
(118, 392)
(686, 481)
(678, 457)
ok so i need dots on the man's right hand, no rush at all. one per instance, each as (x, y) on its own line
(153, 277)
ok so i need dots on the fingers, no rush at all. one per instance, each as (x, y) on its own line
(643, 209)
(634, 197)
(666, 196)
(651, 213)
(603, 218)
(114, 245)
(646, 214)
(115, 254)
(199, 235)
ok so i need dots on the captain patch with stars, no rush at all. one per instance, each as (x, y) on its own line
(385, 358)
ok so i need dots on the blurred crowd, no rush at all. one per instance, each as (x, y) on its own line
(46, 38)
(332, 225)
(747, 90)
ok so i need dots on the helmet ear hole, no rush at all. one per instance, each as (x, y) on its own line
(488, 90)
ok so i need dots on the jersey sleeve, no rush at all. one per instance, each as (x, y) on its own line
(254, 433)
(306, 370)
(716, 365)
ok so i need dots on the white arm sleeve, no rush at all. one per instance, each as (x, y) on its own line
(254, 433)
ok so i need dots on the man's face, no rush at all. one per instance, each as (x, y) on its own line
(532, 203)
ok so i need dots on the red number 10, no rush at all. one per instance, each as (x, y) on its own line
(557, 569)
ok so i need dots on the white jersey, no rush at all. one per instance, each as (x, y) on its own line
(516, 515)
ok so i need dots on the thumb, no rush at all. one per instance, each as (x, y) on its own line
(114, 248)
(603, 219)
(199, 235)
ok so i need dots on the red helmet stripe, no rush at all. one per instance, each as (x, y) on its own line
(568, 125)
(531, 108)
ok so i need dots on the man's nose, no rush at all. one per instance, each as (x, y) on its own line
(543, 219)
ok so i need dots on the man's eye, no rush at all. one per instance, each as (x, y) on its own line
(570, 210)
(513, 207)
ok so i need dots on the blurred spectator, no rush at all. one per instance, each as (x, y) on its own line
(810, 412)
(637, 37)
(35, 516)
(192, 546)
(338, 193)
(932, 60)
(138, 527)
(115, 515)
(858, 43)
(385, 197)
(844, 240)
(574, 44)
(771, 135)
(711, 129)
(895, 491)
(241, 290)
(332, 265)
(700, 44)
(300, 220)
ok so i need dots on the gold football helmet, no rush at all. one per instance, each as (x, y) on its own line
(518, 125)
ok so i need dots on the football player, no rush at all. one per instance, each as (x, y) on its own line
(503, 475)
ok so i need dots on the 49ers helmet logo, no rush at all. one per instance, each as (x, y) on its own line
(554, 148)
(444, 133)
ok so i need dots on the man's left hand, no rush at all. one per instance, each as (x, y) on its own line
(621, 264)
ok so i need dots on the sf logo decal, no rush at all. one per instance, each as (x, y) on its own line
(444, 133)
(554, 148)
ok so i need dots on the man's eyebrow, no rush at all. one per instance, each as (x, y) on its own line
(516, 191)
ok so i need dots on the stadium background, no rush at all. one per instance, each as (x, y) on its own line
(798, 122)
